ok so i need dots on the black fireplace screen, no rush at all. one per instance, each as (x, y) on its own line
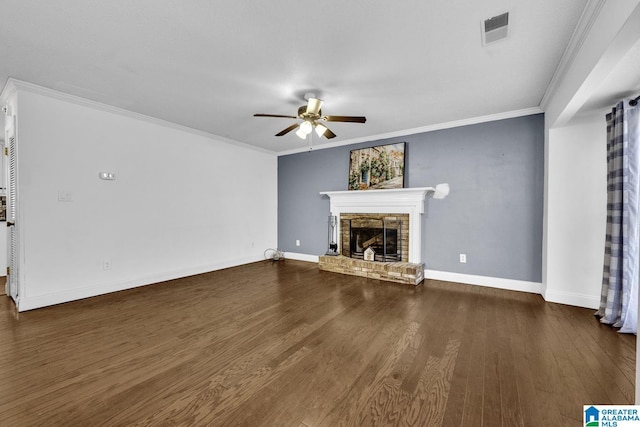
(382, 236)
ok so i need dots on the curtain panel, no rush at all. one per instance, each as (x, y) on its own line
(619, 296)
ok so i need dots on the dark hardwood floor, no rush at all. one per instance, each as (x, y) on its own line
(284, 344)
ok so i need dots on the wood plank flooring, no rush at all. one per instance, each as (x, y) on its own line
(284, 344)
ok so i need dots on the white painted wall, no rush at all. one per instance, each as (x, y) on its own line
(610, 29)
(577, 199)
(575, 153)
(182, 203)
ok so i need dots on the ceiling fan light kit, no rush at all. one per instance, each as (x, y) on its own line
(301, 134)
(311, 115)
(306, 127)
(320, 129)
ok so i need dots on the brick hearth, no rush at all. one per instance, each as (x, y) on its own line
(399, 272)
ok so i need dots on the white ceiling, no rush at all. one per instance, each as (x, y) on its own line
(211, 65)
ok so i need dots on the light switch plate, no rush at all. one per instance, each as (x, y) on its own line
(108, 176)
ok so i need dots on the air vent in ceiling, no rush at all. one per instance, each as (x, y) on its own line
(495, 29)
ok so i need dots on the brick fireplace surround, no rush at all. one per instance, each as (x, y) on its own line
(407, 204)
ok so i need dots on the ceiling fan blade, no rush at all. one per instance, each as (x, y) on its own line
(314, 105)
(328, 134)
(287, 130)
(275, 115)
(352, 119)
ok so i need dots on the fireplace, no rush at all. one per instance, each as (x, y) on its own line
(381, 234)
(406, 202)
(365, 211)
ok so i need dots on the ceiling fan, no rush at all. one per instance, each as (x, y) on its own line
(311, 116)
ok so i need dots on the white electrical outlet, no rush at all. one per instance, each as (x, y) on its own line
(463, 258)
(297, 242)
(106, 264)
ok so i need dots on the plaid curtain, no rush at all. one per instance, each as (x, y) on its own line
(619, 297)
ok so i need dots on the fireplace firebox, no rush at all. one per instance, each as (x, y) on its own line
(376, 238)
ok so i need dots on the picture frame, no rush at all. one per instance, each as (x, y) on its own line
(376, 168)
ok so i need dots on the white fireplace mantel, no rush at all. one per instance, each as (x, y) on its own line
(392, 201)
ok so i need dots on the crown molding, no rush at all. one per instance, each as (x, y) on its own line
(13, 85)
(422, 129)
(8, 91)
(585, 24)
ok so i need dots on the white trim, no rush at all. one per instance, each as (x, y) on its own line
(301, 257)
(12, 85)
(469, 279)
(589, 15)
(8, 91)
(570, 298)
(492, 282)
(29, 303)
(429, 128)
(577, 300)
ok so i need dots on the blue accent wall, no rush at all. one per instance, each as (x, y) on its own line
(493, 213)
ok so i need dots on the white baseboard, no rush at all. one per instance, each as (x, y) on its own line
(578, 300)
(492, 282)
(32, 302)
(301, 257)
(570, 298)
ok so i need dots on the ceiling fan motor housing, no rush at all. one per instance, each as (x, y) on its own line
(302, 113)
